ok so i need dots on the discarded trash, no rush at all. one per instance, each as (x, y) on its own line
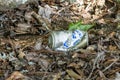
(45, 12)
(68, 40)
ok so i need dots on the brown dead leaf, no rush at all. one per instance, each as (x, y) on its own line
(32, 56)
(76, 65)
(21, 54)
(112, 60)
(17, 76)
(1, 73)
(100, 3)
(28, 17)
(23, 27)
(44, 63)
(75, 55)
(56, 77)
(102, 21)
(112, 48)
(95, 17)
(73, 65)
(74, 8)
(17, 45)
(86, 14)
(102, 75)
(100, 32)
(112, 34)
(38, 44)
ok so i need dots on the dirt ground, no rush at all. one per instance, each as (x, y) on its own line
(24, 32)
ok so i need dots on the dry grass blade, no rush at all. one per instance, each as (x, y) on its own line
(73, 74)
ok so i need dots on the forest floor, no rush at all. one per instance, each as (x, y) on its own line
(24, 50)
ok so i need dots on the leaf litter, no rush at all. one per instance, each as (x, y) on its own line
(24, 31)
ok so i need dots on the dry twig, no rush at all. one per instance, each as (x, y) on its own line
(45, 23)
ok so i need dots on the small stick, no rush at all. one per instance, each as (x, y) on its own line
(45, 23)
(111, 64)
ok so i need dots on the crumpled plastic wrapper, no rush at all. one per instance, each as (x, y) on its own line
(45, 12)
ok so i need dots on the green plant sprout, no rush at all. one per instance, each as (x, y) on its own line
(80, 26)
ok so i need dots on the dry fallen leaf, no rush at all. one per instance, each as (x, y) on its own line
(57, 76)
(101, 32)
(112, 34)
(86, 14)
(102, 75)
(28, 17)
(21, 54)
(102, 21)
(100, 3)
(44, 63)
(32, 56)
(23, 27)
(38, 44)
(17, 76)
(112, 48)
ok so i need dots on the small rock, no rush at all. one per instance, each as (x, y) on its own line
(117, 76)
(92, 47)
